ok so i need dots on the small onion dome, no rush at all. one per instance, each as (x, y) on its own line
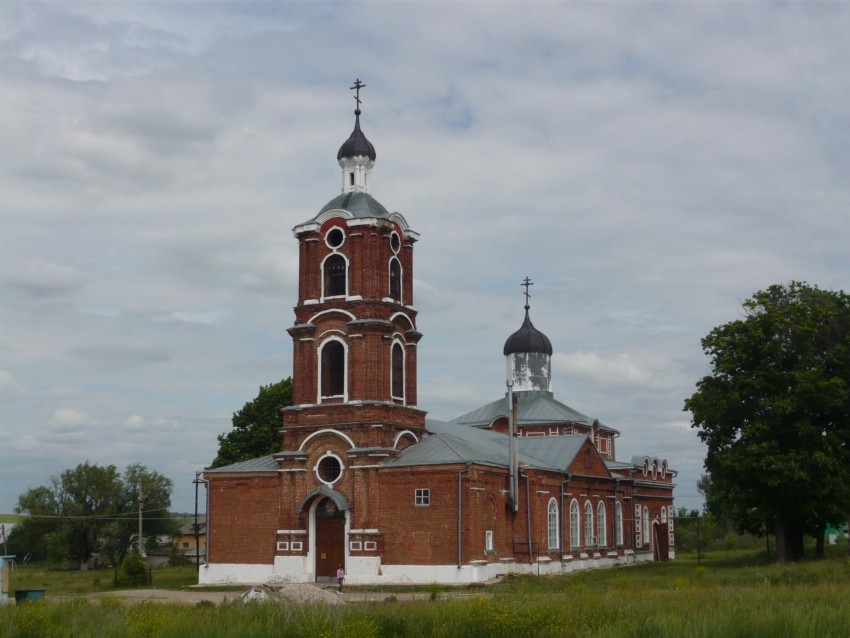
(527, 339)
(356, 144)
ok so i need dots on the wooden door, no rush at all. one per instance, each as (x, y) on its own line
(330, 539)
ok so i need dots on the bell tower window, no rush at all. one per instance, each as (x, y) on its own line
(332, 360)
(335, 276)
(397, 371)
(395, 280)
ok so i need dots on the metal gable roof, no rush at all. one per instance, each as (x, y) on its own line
(453, 443)
(261, 464)
(555, 451)
(532, 408)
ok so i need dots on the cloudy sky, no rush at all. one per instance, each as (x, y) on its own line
(648, 165)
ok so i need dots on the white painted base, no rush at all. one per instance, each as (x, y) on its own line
(369, 571)
(223, 573)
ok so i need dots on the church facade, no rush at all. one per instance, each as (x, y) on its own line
(364, 480)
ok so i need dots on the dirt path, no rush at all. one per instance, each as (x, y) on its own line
(293, 593)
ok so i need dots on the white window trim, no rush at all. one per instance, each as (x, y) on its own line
(488, 541)
(575, 524)
(344, 395)
(402, 398)
(589, 529)
(422, 497)
(553, 525)
(341, 469)
(618, 524)
(327, 234)
(400, 280)
(322, 272)
(601, 524)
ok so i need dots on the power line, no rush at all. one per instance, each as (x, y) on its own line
(113, 516)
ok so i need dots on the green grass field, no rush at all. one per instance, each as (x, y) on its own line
(58, 582)
(732, 594)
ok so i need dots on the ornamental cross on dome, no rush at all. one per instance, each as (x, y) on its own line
(357, 86)
(526, 284)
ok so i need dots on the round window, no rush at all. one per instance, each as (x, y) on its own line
(329, 470)
(395, 242)
(335, 237)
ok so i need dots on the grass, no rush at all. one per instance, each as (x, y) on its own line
(57, 582)
(10, 518)
(729, 594)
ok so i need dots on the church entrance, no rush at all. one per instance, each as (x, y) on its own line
(330, 539)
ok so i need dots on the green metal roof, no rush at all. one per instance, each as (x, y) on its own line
(261, 464)
(450, 443)
(533, 408)
(358, 204)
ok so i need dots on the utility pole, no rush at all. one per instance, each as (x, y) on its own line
(141, 501)
(197, 535)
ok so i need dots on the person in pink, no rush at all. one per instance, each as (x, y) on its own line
(340, 576)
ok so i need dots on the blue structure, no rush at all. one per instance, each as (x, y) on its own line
(5, 564)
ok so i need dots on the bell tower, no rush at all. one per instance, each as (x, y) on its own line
(355, 337)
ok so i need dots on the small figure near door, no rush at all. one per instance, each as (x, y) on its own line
(340, 576)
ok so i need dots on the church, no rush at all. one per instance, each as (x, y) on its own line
(365, 480)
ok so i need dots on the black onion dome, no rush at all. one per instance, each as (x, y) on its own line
(356, 144)
(528, 339)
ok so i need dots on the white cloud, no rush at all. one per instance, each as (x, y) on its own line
(69, 419)
(617, 370)
(134, 423)
(8, 382)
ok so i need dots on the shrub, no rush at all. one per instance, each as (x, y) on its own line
(133, 567)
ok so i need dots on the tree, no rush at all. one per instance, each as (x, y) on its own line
(256, 427)
(92, 509)
(156, 503)
(775, 414)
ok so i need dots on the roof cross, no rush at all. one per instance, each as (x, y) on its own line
(526, 284)
(357, 86)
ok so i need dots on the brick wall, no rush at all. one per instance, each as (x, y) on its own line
(244, 513)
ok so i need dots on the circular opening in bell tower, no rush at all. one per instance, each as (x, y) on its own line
(335, 237)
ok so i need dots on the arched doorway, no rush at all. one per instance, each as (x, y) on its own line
(330, 539)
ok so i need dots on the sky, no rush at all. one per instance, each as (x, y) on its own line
(648, 165)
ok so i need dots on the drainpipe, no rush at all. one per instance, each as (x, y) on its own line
(616, 487)
(207, 517)
(564, 483)
(460, 514)
(528, 517)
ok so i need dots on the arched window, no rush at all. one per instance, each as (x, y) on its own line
(395, 280)
(554, 527)
(646, 526)
(332, 363)
(588, 523)
(335, 276)
(397, 371)
(618, 524)
(663, 515)
(575, 524)
(601, 525)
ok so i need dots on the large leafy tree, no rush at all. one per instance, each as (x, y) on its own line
(92, 509)
(256, 427)
(775, 414)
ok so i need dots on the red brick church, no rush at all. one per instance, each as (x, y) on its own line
(363, 479)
